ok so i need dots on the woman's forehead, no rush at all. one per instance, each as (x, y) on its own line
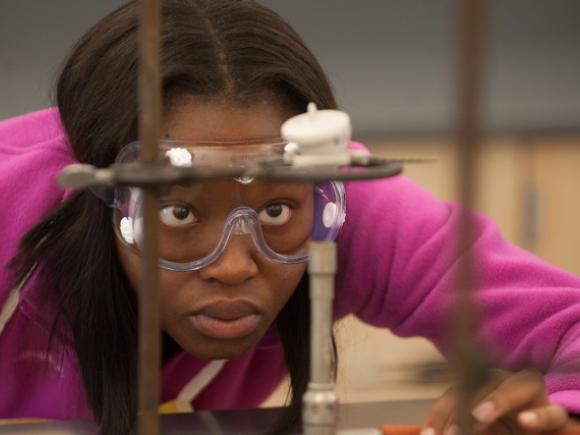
(202, 119)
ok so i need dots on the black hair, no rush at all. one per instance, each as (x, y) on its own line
(231, 49)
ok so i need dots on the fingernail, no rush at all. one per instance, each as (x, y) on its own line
(428, 431)
(528, 418)
(484, 411)
(453, 430)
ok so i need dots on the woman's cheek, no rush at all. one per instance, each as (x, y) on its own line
(284, 283)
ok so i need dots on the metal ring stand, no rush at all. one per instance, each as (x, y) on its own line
(320, 402)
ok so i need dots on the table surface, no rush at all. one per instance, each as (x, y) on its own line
(247, 421)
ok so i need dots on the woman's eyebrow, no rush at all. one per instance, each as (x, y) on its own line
(193, 191)
(184, 189)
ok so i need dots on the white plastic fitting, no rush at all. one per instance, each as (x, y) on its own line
(317, 138)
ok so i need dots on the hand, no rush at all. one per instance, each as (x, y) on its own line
(508, 403)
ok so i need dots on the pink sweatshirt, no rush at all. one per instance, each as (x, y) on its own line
(396, 270)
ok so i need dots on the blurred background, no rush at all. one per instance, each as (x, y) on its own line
(392, 64)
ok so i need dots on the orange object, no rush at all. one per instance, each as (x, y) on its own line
(568, 431)
(401, 430)
(416, 430)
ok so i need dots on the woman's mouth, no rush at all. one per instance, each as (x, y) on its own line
(226, 319)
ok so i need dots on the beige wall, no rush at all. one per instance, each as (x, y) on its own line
(529, 186)
(556, 167)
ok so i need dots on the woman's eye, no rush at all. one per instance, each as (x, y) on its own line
(275, 214)
(176, 215)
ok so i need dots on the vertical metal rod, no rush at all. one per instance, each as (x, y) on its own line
(149, 133)
(472, 23)
(319, 414)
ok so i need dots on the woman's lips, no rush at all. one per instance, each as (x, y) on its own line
(226, 319)
(223, 329)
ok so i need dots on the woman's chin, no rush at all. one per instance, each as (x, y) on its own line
(210, 348)
(219, 351)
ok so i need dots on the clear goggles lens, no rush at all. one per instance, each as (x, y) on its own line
(198, 221)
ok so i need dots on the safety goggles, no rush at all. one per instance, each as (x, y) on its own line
(198, 220)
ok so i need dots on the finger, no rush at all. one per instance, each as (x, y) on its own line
(551, 417)
(441, 418)
(440, 414)
(495, 378)
(523, 388)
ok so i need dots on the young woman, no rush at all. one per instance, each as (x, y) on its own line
(235, 319)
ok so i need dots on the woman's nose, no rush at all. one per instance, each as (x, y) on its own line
(236, 264)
